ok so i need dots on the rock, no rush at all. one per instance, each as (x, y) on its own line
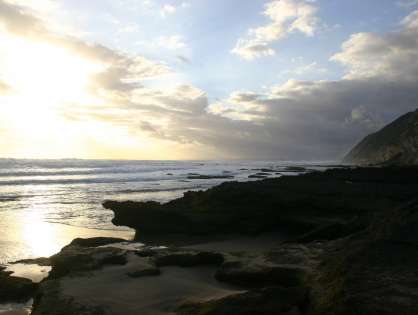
(268, 170)
(144, 272)
(42, 261)
(332, 231)
(298, 204)
(295, 169)
(210, 177)
(248, 275)
(257, 176)
(395, 144)
(373, 272)
(15, 289)
(187, 258)
(266, 301)
(288, 266)
(50, 300)
(74, 259)
(95, 241)
(148, 217)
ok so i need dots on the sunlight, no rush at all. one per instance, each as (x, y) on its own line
(44, 73)
(39, 236)
(44, 80)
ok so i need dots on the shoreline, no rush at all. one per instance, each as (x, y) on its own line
(338, 220)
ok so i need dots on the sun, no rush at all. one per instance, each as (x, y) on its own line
(46, 73)
(44, 80)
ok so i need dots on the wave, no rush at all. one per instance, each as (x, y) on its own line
(100, 171)
(80, 181)
(9, 198)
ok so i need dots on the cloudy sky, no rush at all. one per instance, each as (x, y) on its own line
(202, 79)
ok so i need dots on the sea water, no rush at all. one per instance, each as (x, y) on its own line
(44, 204)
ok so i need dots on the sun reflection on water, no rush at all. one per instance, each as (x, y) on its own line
(40, 237)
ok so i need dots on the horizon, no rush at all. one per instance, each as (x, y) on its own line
(171, 80)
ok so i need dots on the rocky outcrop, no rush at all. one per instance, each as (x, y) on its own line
(15, 289)
(339, 200)
(272, 300)
(356, 252)
(369, 272)
(395, 144)
(373, 272)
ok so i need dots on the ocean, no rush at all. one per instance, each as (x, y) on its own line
(44, 204)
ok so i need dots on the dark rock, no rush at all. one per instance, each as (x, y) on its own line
(210, 177)
(373, 272)
(267, 301)
(295, 169)
(256, 273)
(148, 217)
(144, 273)
(50, 301)
(257, 176)
(73, 259)
(188, 259)
(298, 204)
(15, 289)
(42, 261)
(332, 231)
(95, 241)
(268, 170)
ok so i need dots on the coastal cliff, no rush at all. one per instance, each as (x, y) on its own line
(395, 144)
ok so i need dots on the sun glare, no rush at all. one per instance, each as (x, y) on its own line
(39, 236)
(44, 80)
(46, 73)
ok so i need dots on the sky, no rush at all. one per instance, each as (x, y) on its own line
(202, 79)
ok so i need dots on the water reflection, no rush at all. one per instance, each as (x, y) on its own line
(27, 234)
(44, 239)
(41, 238)
(16, 309)
(33, 272)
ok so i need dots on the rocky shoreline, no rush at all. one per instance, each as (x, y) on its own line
(350, 247)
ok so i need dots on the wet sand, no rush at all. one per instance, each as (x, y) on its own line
(112, 289)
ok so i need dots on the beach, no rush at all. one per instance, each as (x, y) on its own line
(308, 245)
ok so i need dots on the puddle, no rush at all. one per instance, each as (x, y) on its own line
(132, 246)
(16, 309)
(126, 245)
(33, 272)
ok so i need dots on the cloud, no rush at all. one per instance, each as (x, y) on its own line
(173, 42)
(393, 55)
(183, 59)
(250, 49)
(303, 69)
(167, 9)
(4, 87)
(120, 70)
(294, 120)
(286, 16)
(324, 119)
